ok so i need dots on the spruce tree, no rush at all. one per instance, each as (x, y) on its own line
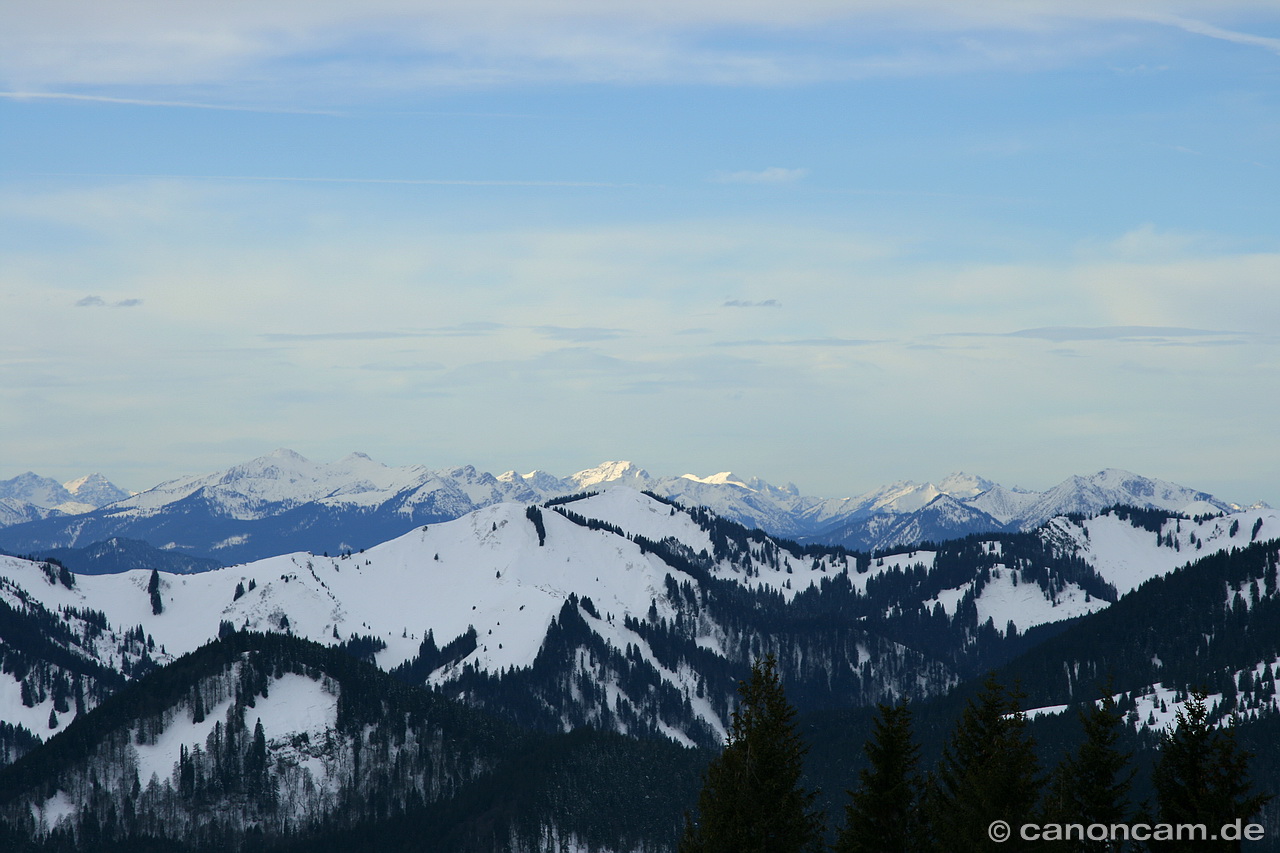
(153, 589)
(988, 772)
(881, 815)
(1203, 778)
(752, 800)
(1092, 786)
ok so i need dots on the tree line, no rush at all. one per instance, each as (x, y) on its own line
(753, 799)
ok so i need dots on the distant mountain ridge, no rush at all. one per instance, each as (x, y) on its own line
(28, 497)
(284, 502)
(121, 555)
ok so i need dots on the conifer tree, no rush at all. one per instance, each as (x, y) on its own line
(153, 589)
(988, 772)
(752, 800)
(1203, 778)
(881, 815)
(1092, 786)
(256, 779)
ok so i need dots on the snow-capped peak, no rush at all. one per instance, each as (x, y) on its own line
(1110, 487)
(1003, 504)
(34, 489)
(903, 496)
(609, 472)
(724, 478)
(960, 485)
(95, 490)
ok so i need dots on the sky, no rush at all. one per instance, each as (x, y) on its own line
(837, 244)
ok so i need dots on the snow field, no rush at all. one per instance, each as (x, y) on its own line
(1127, 556)
(160, 758)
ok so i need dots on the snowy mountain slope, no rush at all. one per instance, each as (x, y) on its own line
(36, 490)
(1128, 554)
(283, 501)
(1212, 624)
(612, 474)
(277, 503)
(95, 490)
(962, 486)
(868, 521)
(1088, 495)
(59, 661)
(29, 496)
(661, 608)
(1007, 599)
(1247, 691)
(283, 479)
(943, 518)
(485, 572)
(1004, 505)
(13, 511)
(267, 738)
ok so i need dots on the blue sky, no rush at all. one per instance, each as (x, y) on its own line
(837, 244)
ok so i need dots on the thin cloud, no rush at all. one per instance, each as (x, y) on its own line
(1204, 29)
(99, 302)
(578, 334)
(286, 49)
(1210, 343)
(342, 336)
(145, 102)
(747, 303)
(1061, 334)
(461, 330)
(828, 342)
(772, 175)
(442, 182)
(417, 367)
(799, 342)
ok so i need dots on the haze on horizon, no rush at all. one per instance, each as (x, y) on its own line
(840, 244)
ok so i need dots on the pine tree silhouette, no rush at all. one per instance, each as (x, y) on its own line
(752, 800)
(881, 815)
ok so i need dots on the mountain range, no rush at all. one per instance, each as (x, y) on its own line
(29, 497)
(611, 612)
(283, 502)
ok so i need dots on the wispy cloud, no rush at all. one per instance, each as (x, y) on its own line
(1061, 334)
(799, 342)
(286, 51)
(99, 302)
(1206, 29)
(747, 303)
(404, 367)
(578, 334)
(442, 182)
(771, 175)
(278, 337)
(461, 330)
(146, 102)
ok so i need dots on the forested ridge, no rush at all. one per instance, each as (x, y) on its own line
(582, 750)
